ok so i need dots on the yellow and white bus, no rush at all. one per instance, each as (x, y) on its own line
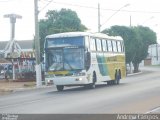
(83, 59)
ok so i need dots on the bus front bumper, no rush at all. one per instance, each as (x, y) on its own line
(68, 80)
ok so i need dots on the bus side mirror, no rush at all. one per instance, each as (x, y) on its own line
(87, 60)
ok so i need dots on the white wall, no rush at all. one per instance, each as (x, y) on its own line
(154, 53)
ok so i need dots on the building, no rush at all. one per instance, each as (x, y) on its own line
(26, 46)
(153, 57)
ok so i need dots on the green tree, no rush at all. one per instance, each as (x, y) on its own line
(64, 20)
(146, 37)
(136, 41)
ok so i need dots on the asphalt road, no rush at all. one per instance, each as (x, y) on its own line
(136, 94)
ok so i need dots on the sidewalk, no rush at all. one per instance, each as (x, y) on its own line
(8, 86)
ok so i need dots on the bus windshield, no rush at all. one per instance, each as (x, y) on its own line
(65, 59)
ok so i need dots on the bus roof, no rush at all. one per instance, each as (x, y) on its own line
(76, 34)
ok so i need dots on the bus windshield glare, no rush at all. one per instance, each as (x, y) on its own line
(66, 41)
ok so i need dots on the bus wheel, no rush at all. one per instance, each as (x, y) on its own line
(117, 77)
(112, 82)
(94, 79)
(109, 82)
(92, 86)
(60, 87)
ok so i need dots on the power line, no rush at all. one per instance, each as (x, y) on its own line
(5, 0)
(115, 13)
(8, 1)
(91, 7)
(151, 12)
(49, 2)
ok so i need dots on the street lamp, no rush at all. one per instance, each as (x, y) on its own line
(12, 45)
(13, 18)
(100, 25)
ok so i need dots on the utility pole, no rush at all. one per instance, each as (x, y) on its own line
(99, 22)
(130, 21)
(37, 47)
(12, 45)
(130, 25)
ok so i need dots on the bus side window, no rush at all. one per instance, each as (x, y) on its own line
(98, 45)
(104, 46)
(122, 46)
(92, 44)
(114, 46)
(119, 46)
(109, 43)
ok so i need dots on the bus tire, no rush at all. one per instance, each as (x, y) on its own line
(94, 79)
(108, 82)
(117, 77)
(120, 76)
(60, 87)
(112, 82)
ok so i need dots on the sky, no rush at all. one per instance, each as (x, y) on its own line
(139, 12)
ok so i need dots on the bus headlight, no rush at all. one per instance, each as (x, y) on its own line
(49, 82)
(79, 79)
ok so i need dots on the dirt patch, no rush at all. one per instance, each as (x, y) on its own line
(7, 86)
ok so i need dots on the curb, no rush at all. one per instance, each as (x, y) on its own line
(135, 73)
(31, 88)
(7, 91)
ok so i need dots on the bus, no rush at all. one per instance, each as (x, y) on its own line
(83, 59)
